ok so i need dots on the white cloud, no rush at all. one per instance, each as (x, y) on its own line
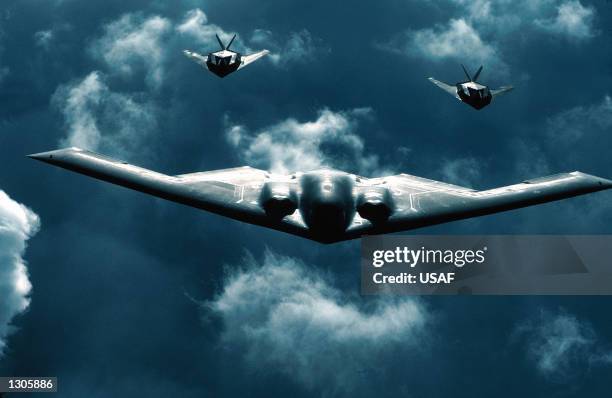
(290, 145)
(458, 39)
(17, 225)
(560, 345)
(100, 119)
(572, 20)
(134, 43)
(195, 25)
(287, 318)
(479, 28)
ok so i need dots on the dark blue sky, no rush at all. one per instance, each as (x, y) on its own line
(132, 295)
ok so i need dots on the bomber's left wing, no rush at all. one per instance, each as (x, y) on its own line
(200, 59)
(420, 202)
(501, 90)
(247, 59)
(452, 90)
(232, 193)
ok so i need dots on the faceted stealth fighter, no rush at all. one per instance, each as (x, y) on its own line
(472, 93)
(224, 62)
(325, 205)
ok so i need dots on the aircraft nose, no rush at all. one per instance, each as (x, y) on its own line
(42, 155)
(53, 157)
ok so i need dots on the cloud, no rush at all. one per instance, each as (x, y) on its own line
(195, 25)
(573, 20)
(100, 119)
(463, 171)
(479, 29)
(43, 38)
(290, 145)
(134, 43)
(572, 125)
(560, 346)
(299, 47)
(285, 317)
(17, 225)
(458, 39)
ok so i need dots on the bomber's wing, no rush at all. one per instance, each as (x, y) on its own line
(247, 59)
(232, 193)
(452, 90)
(501, 90)
(200, 59)
(420, 202)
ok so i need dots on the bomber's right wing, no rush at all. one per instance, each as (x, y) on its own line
(200, 59)
(452, 90)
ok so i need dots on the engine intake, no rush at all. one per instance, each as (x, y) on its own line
(278, 200)
(375, 205)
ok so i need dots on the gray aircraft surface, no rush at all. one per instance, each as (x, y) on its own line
(325, 205)
(225, 61)
(472, 93)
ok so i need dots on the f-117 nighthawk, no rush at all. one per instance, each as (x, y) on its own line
(472, 93)
(325, 205)
(225, 61)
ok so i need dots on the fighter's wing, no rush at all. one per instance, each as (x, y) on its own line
(232, 193)
(200, 59)
(501, 90)
(247, 59)
(452, 90)
(420, 202)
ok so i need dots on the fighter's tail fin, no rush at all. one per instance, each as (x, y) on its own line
(223, 46)
(466, 73)
(477, 73)
(230, 43)
(220, 42)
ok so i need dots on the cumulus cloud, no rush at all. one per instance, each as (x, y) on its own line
(285, 317)
(196, 26)
(572, 20)
(561, 346)
(457, 39)
(98, 118)
(17, 224)
(291, 145)
(134, 43)
(478, 28)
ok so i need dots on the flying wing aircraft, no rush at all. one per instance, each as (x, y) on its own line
(472, 93)
(225, 61)
(326, 205)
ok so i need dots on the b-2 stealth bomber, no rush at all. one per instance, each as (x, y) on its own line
(325, 205)
(472, 93)
(225, 61)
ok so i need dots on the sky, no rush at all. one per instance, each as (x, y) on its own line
(121, 294)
